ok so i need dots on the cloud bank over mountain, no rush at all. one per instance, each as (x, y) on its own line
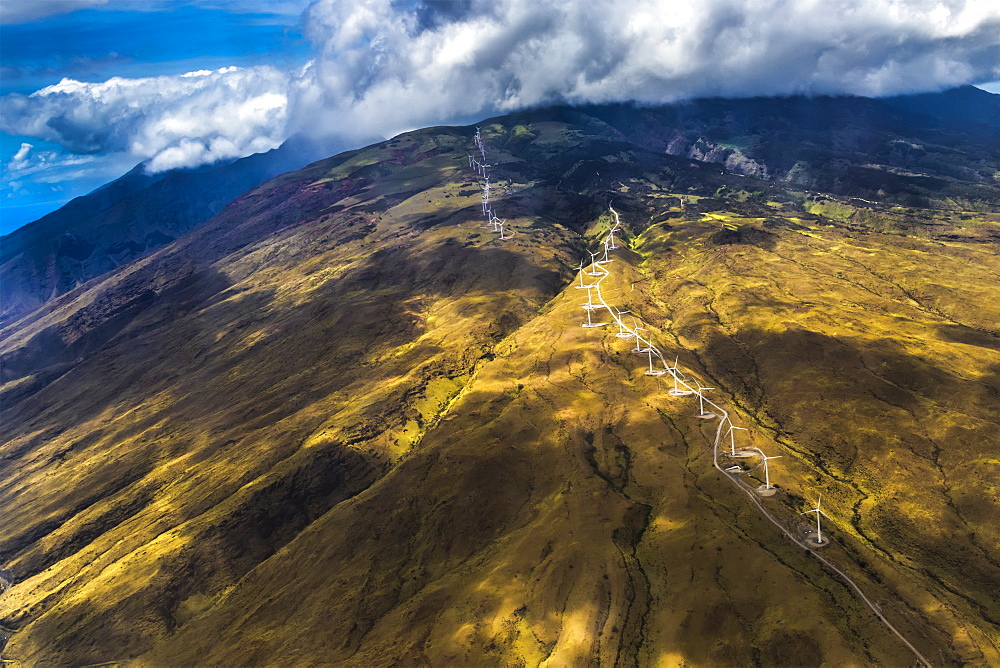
(384, 66)
(174, 121)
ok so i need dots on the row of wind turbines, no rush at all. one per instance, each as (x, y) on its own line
(482, 169)
(682, 386)
(659, 366)
(657, 363)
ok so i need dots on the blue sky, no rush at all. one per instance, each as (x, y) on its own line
(91, 88)
(94, 45)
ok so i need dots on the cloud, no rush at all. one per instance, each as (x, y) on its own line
(383, 66)
(173, 121)
(20, 11)
(27, 161)
(23, 11)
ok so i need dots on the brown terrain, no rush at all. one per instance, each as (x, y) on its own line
(343, 423)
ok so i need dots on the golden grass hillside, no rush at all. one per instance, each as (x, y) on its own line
(343, 423)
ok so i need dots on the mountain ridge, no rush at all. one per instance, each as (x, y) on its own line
(124, 220)
(757, 137)
(342, 422)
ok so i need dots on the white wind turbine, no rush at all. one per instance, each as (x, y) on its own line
(651, 371)
(501, 224)
(675, 372)
(701, 401)
(595, 268)
(622, 332)
(767, 475)
(639, 350)
(580, 269)
(819, 530)
(611, 245)
(590, 322)
(732, 436)
(590, 305)
(606, 258)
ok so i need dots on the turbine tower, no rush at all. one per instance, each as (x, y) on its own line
(590, 322)
(701, 401)
(767, 475)
(606, 258)
(819, 542)
(611, 245)
(590, 305)
(594, 266)
(639, 350)
(651, 371)
(580, 269)
(622, 333)
(675, 372)
(732, 437)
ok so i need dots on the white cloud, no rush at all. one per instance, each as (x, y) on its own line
(27, 161)
(173, 121)
(20, 159)
(19, 11)
(384, 66)
(381, 67)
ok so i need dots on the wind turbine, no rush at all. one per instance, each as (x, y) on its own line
(675, 371)
(701, 401)
(580, 269)
(611, 238)
(638, 341)
(651, 371)
(767, 475)
(590, 305)
(590, 322)
(622, 334)
(606, 258)
(819, 530)
(501, 223)
(732, 436)
(594, 265)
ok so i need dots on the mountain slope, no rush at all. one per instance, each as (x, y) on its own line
(342, 422)
(936, 150)
(124, 220)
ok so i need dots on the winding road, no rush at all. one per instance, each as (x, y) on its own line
(723, 416)
(597, 269)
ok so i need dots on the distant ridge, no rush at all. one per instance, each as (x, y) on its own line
(124, 220)
(926, 150)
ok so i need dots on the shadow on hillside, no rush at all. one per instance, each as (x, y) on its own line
(969, 336)
(229, 363)
(848, 400)
(880, 368)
